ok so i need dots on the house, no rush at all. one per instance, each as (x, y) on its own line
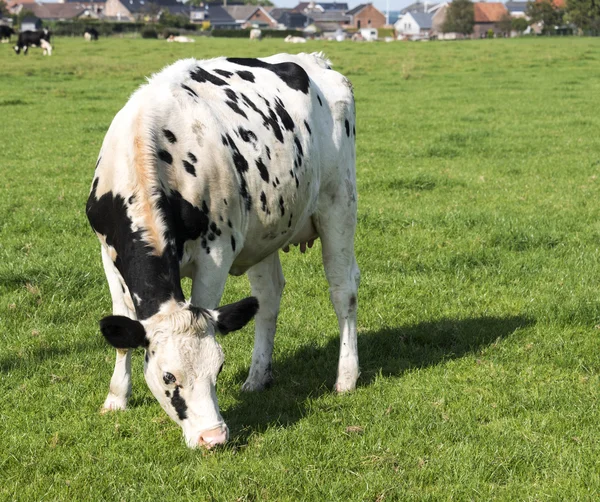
(366, 16)
(131, 10)
(61, 11)
(31, 23)
(422, 7)
(96, 6)
(308, 7)
(414, 25)
(516, 9)
(286, 18)
(487, 17)
(219, 18)
(251, 15)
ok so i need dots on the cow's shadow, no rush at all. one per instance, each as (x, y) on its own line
(311, 371)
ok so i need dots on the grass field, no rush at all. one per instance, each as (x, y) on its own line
(479, 308)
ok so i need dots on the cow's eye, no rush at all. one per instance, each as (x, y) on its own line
(169, 378)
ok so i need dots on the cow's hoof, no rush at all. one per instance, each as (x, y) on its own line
(257, 386)
(345, 384)
(113, 403)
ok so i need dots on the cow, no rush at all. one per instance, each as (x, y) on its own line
(255, 34)
(180, 39)
(34, 39)
(210, 169)
(6, 32)
(90, 34)
(294, 40)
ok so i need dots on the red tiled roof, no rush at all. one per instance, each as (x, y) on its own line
(489, 12)
(557, 4)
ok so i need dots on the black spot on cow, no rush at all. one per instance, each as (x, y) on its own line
(319, 98)
(277, 181)
(231, 94)
(205, 209)
(292, 74)
(165, 156)
(207, 249)
(224, 73)
(297, 181)
(98, 162)
(263, 201)
(224, 140)
(131, 199)
(179, 404)
(352, 301)
(269, 119)
(268, 150)
(236, 108)
(190, 91)
(274, 185)
(291, 173)
(347, 124)
(290, 222)
(192, 157)
(262, 169)
(286, 120)
(146, 358)
(233, 242)
(299, 147)
(246, 135)
(354, 130)
(200, 75)
(167, 393)
(154, 278)
(189, 168)
(170, 136)
(281, 206)
(229, 224)
(307, 127)
(214, 228)
(211, 237)
(241, 165)
(225, 201)
(246, 75)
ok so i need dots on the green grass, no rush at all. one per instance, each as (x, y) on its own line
(479, 245)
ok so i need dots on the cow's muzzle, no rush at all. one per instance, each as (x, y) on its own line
(213, 437)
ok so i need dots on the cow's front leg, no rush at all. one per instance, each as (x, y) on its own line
(120, 382)
(267, 281)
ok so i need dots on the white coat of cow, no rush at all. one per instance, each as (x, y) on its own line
(211, 168)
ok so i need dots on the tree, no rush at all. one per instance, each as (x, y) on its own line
(3, 9)
(460, 17)
(519, 24)
(585, 14)
(546, 13)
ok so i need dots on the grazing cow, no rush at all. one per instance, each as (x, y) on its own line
(34, 39)
(91, 34)
(255, 34)
(294, 40)
(6, 32)
(180, 39)
(210, 169)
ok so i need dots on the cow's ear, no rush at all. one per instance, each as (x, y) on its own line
(123, 333)
(236, 315)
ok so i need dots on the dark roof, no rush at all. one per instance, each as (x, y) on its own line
(142, 5)
(277, 12)
(516, 6)
(357, 9)
(329, 17)
(423, 19)
(218, 16)
(294, 19)
(325, 6)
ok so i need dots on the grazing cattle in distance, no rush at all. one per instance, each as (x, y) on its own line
(210, 169)
(6, 32)
(91, 34)
(294, 40)
(255, 34)
(34, 39)
(180, 39)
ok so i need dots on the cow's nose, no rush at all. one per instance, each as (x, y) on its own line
(214, 437)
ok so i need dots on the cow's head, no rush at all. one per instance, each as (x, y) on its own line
(183, 360)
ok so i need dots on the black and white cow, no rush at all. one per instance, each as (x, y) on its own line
(210, 169)
(34, 39)
(90, 34)
(6, 32)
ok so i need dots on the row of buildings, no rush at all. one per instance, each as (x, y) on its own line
(318, 17)
(418, 21)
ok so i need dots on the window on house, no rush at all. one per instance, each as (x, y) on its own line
(358, 24)
(369, 22)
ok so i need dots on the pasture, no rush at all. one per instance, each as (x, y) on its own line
(479, 307)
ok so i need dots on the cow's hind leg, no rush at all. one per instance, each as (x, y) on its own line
(335, 222)
(120, 383)
(267, 281)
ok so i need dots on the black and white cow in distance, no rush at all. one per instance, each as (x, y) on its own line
(90, 34)
(211, 168)
(34, 39)
(6, 32)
